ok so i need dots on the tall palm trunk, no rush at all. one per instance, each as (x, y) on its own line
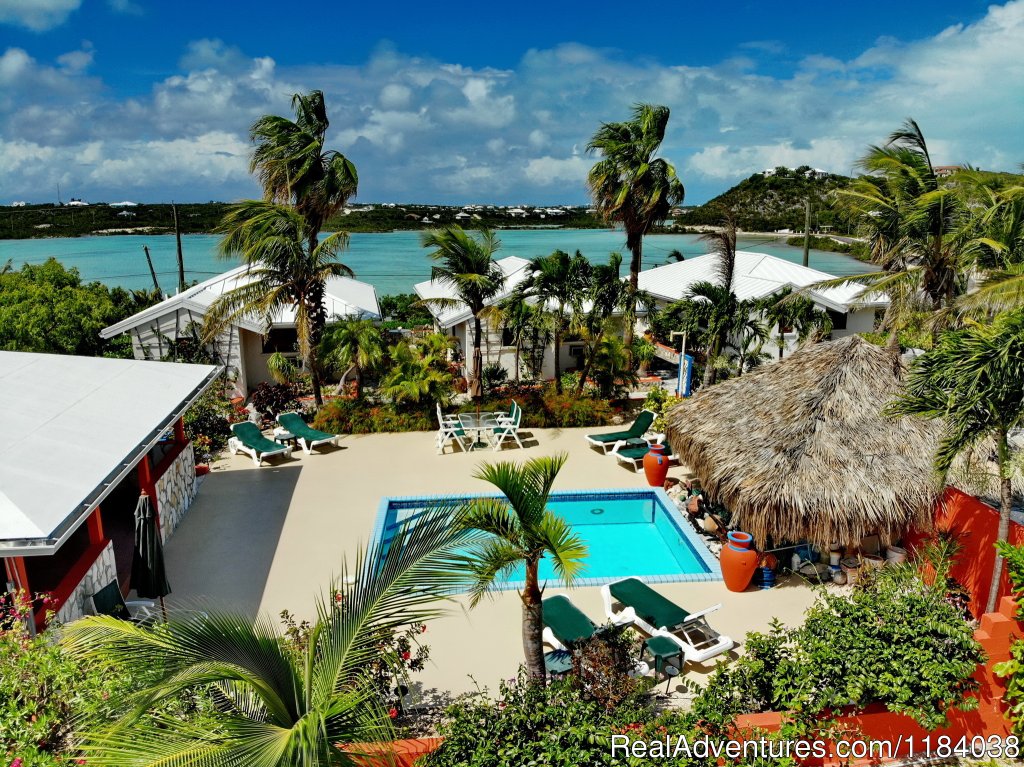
(709, 364)
(533, 625)
(1003, 531)
(519, 346)
(636, 260)
(558, 350)
(590, 362)
(477, 374)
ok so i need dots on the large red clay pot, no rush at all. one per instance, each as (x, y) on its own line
(739, 561)
(656, 466)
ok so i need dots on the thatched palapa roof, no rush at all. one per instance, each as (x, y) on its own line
(799, 450)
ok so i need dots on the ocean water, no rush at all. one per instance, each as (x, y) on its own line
(626, 534)
(390, 261)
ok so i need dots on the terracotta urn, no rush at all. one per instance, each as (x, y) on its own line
(739, 561)
(656, 466)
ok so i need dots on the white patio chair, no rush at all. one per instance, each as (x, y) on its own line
(508, 428)
(449, 429)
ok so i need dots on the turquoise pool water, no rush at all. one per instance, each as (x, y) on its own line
(628, 533)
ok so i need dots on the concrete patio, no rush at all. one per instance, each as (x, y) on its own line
(269, 539)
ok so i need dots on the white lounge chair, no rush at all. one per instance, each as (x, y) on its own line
(304, 434)
(659, 616)
(508, 428)
(449, 429)
(631, 452)
(249, 439)
(636, 430)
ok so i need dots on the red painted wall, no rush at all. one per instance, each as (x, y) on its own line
(996, 633)
(977, 523)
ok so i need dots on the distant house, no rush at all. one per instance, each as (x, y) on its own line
(947, 170)
(83, 437)
(124, 204)
(18, 204)
(462, 216)
(244, 348)
(126, 214)
(76, 203)
(497, 346)
(517, 212)
(758, 275)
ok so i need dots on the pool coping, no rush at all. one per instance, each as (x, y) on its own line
(693, 539)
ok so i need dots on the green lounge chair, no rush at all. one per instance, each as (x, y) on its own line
(632, 454)
(635, 431)
(566, 624)
(306, 436)
(249, 439)
(659, 616)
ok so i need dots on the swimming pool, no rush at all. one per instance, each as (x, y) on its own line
(628, 533)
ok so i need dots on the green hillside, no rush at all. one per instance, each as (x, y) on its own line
(767, 203)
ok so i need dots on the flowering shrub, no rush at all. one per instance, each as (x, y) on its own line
(347, 416)
(208, 424)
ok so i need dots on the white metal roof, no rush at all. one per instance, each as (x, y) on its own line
(756, 275)
(514, 269)
(72, 427)
(345, 297)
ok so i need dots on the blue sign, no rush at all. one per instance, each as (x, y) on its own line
(684, 386)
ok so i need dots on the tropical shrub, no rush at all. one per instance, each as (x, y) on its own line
(1012, 670)
(601, 668)
(208, 423)
(553, 726)
(657, 401)
(45, 692)
(494, 375)
(272, 399)
(346, 416)
(894, 640)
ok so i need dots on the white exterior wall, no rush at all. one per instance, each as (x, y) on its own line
(149, 342)
(860, 321)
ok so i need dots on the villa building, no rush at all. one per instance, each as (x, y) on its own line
(757, 275)
(81, 433)
(244, 347)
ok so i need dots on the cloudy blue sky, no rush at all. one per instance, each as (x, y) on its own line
(491, 102)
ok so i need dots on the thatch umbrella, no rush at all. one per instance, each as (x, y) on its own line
(799, 450)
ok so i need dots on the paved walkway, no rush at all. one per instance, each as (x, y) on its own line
(269, 539)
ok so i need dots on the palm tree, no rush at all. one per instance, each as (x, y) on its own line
(631, 186)
(294, 168)
(971, 379)
(674, 256)
(607, 294)
(283, 274)
(354, 346)
(517, 318)
(787, 311)
(1001, 245)
(521, 532)
(467, 265)
(558, 281)
(752, 336)
(915, 230)
(416, 375)
(613, 367)
(275, 703)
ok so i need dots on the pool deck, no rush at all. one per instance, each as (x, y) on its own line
(269, 539)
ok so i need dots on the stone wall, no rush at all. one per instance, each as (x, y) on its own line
(175, 491)
(102, 572)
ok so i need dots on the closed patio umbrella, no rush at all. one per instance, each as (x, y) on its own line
(476, 386)
(149, 578)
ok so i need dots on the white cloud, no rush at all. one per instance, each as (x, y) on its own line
(37, 15)
(425, 129)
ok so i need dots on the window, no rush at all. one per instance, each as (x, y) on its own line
(506, 337)
(838, 319)
(281, 340)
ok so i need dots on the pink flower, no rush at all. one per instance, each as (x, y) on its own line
(16, 762)
(393, 712)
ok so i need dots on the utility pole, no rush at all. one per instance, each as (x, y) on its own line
(152, 271)
(807, 231)
(181, 260)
